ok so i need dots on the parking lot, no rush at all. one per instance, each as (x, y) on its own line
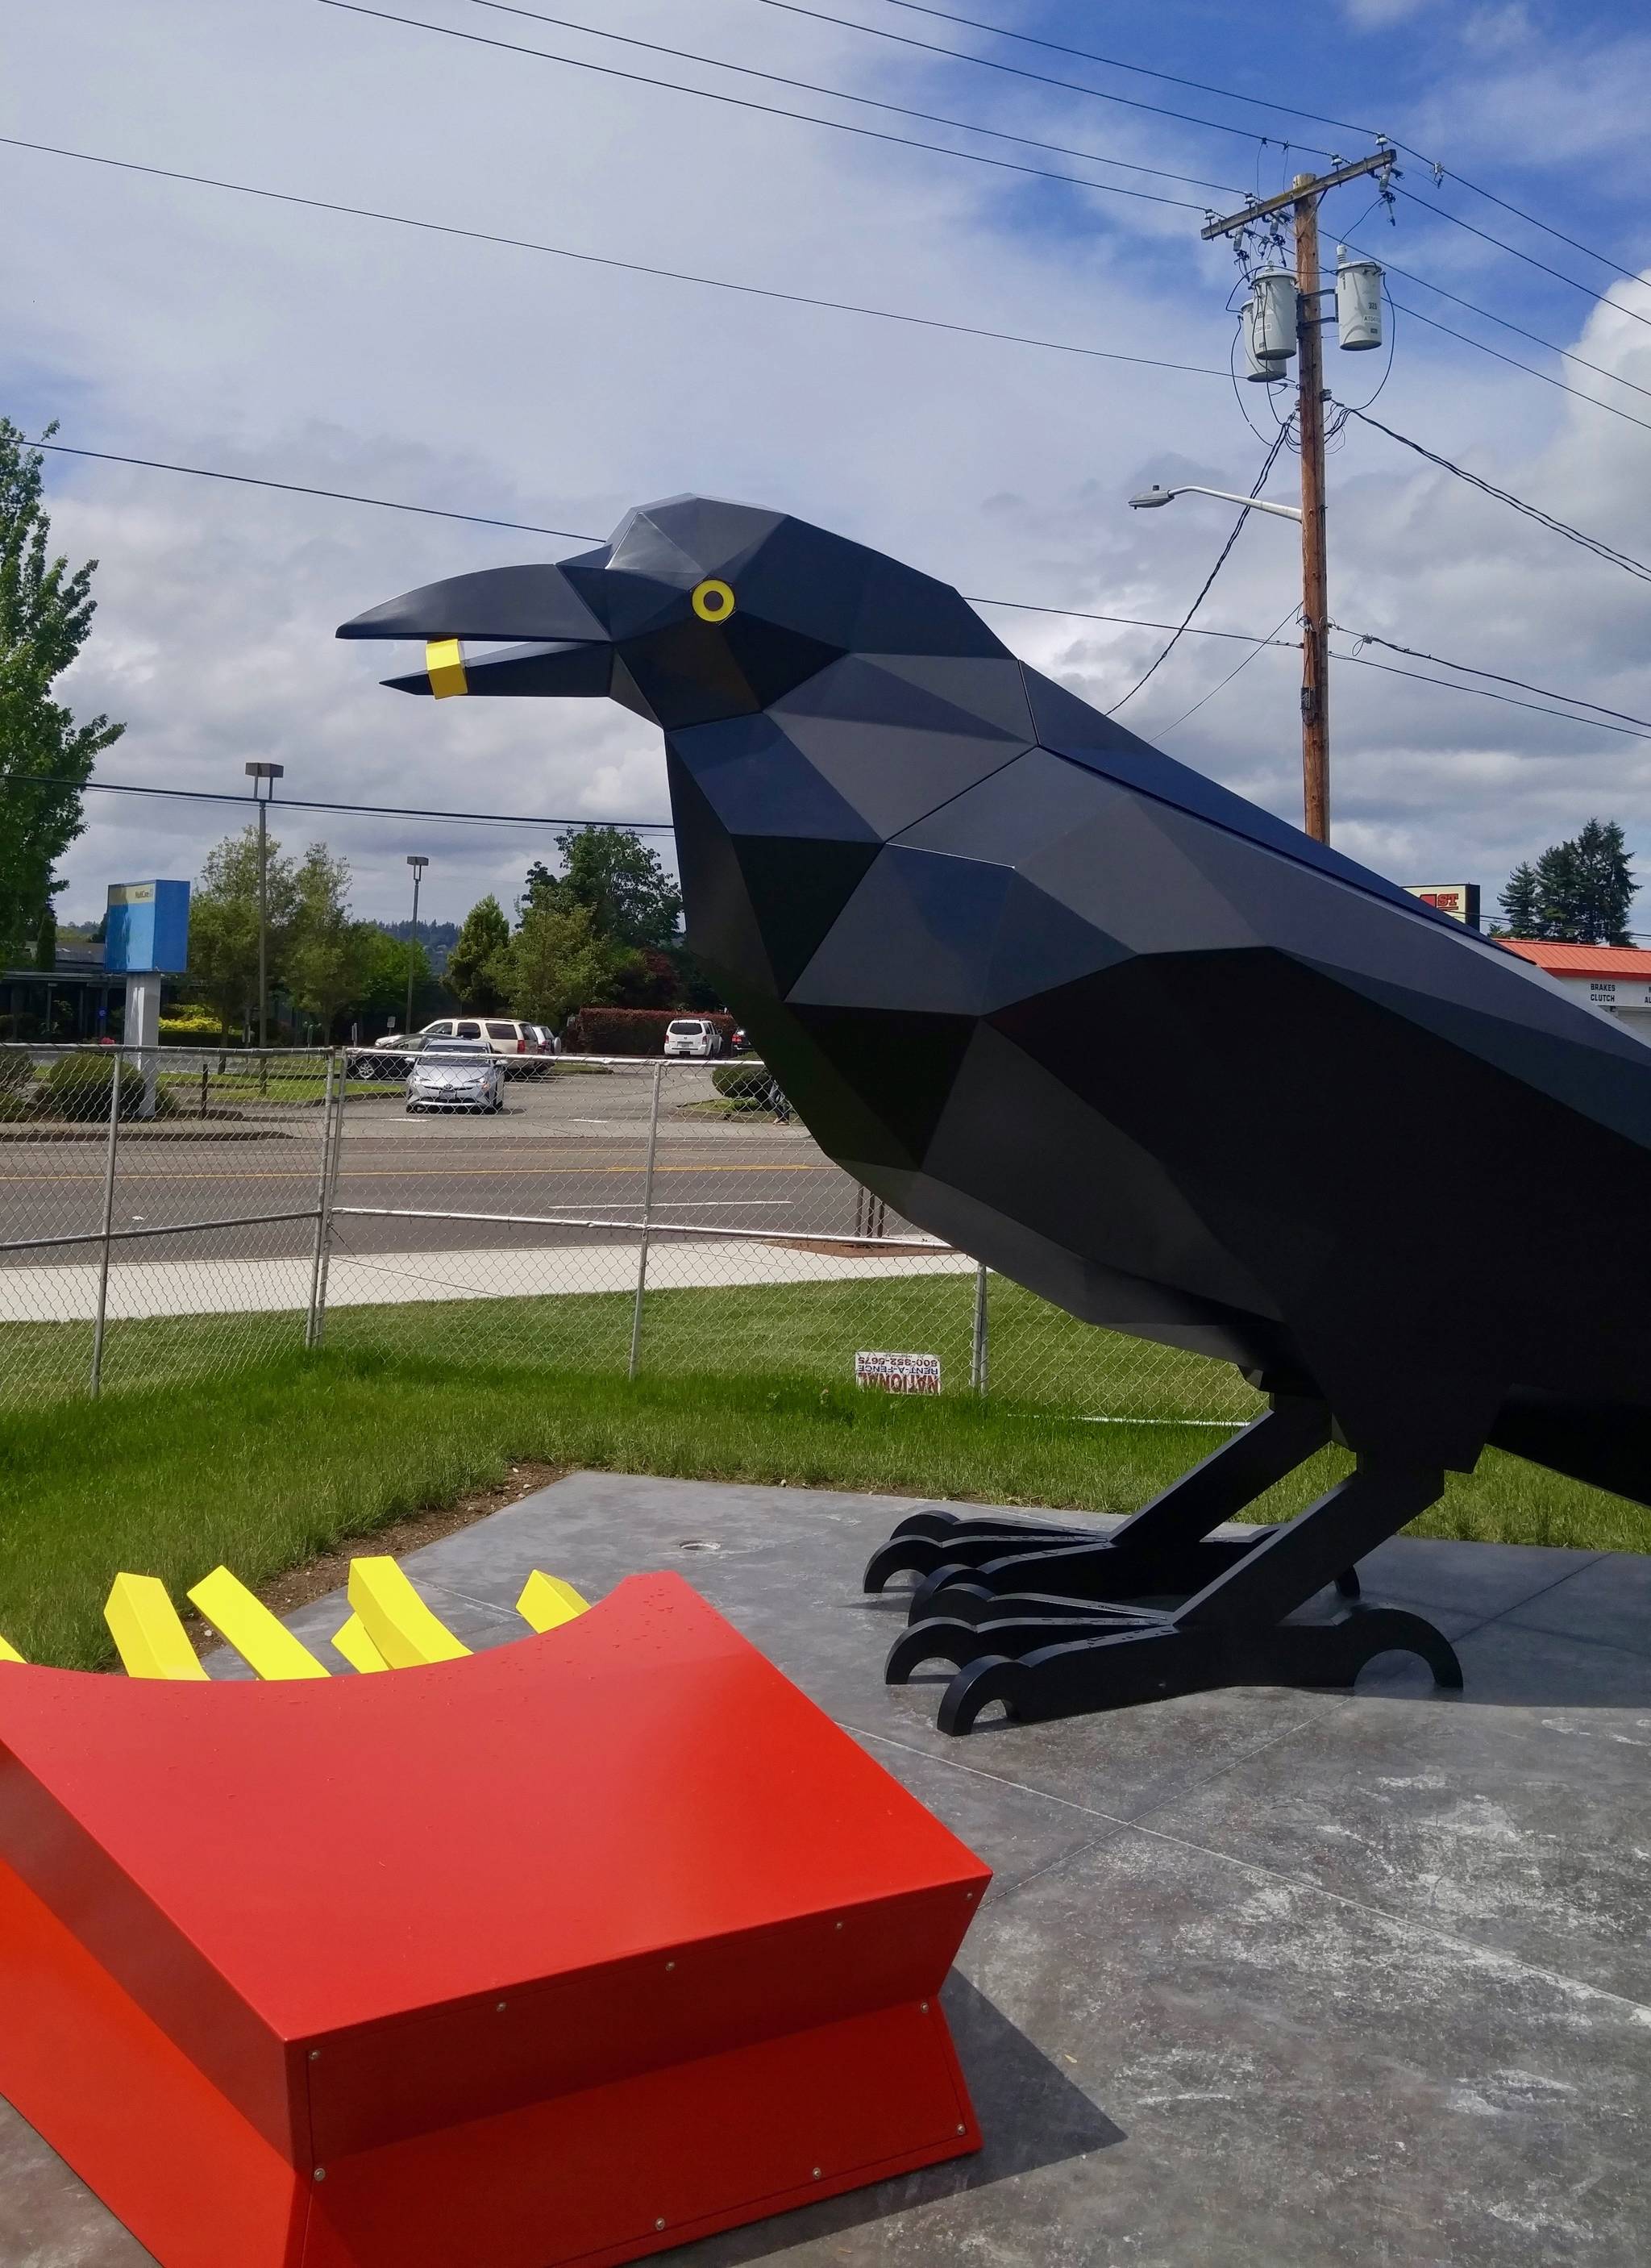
(570, 1148)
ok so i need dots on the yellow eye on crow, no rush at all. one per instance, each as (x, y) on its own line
(712, 600)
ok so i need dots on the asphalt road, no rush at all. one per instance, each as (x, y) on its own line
(572, 1146)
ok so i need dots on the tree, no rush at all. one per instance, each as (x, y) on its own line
(613, 874)
(223, 924)
(479, 967)
(385, 958)
(1578, 893)
(46, 940)
(1519, 902)
(45, 757)
(328, 955)
(560, 962)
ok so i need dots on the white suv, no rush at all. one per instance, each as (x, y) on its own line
(692, 1035)
(523, 1049)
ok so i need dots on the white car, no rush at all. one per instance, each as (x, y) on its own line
(456, 1075)
(692, 1035)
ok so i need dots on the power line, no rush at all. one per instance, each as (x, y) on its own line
(1536, 338)
(1131, 621)
(1369, 638)
(1100, 94)
(310, 803)
(1480, 692)
(1482, 346)
(1594, 543)
(1162, 732)
(1259, 482)
(600, 260)
(1184, 628)
(532, 527)
(1229, 94)
(841, 94)
(765, 109)
(300, 488)
(1443, 212)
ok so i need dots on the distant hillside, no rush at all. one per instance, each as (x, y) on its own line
(437, 937)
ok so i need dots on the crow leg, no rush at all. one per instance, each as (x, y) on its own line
(1283, 1569)
(1164, 1550)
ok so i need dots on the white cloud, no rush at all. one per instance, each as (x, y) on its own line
(1381, 15)
(178, 323)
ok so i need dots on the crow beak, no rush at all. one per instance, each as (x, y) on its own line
(569, 651)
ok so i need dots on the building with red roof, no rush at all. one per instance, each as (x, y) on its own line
(1614, 977)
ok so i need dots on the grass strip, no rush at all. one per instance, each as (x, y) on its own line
(266, 1469)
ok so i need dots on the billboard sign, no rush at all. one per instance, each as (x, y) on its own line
(1460, 900)
(148, 928)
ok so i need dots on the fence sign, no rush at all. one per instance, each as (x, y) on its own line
(899, 1374)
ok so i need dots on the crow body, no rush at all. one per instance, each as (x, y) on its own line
(1128, 1039)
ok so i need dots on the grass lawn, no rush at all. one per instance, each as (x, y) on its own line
(1039, 1355)
(264, 1469)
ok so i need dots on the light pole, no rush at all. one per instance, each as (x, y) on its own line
(270, 774)
(418, 865)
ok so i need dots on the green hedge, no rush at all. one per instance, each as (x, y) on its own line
(632, 1031)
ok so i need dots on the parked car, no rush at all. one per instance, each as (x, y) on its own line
(692, 1035)
(456, 1075)
(386, 1058)
(525, 1048)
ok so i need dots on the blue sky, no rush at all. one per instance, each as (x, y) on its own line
(183, 323)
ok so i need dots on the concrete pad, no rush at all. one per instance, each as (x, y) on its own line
(1266, 1979)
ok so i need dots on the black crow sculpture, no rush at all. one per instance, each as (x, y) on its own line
(1136, 1044)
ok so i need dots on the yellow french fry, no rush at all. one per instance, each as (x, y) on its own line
(149, 1639)
(251, 1629)
(358, 1648)
(547, 1601)
(396, 1619)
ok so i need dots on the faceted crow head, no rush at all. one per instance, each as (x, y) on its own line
(697, 612)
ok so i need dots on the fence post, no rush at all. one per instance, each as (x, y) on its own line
(647, 1222)
(979, 1352)
(331, 1200)
(323, 1188)
(108, 1223)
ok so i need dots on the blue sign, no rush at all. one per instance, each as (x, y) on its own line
(148, 928)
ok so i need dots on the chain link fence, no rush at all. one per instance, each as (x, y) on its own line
(178, 1213)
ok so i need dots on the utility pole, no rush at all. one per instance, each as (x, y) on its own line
(270, 774)
(1315, 563)
(418, 865)
(1300, 199)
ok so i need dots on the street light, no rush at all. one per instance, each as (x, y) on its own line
(270, 774)
(1154, 495)
(418, 865)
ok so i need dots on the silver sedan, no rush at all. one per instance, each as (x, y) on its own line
(455, 1075)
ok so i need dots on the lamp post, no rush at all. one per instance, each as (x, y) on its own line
(268, 774)
(418, 865)
(1154, 495)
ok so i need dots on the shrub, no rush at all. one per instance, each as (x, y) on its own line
(16, 1071)
(78, 1087)
(750, 1087)
(632, 1031)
